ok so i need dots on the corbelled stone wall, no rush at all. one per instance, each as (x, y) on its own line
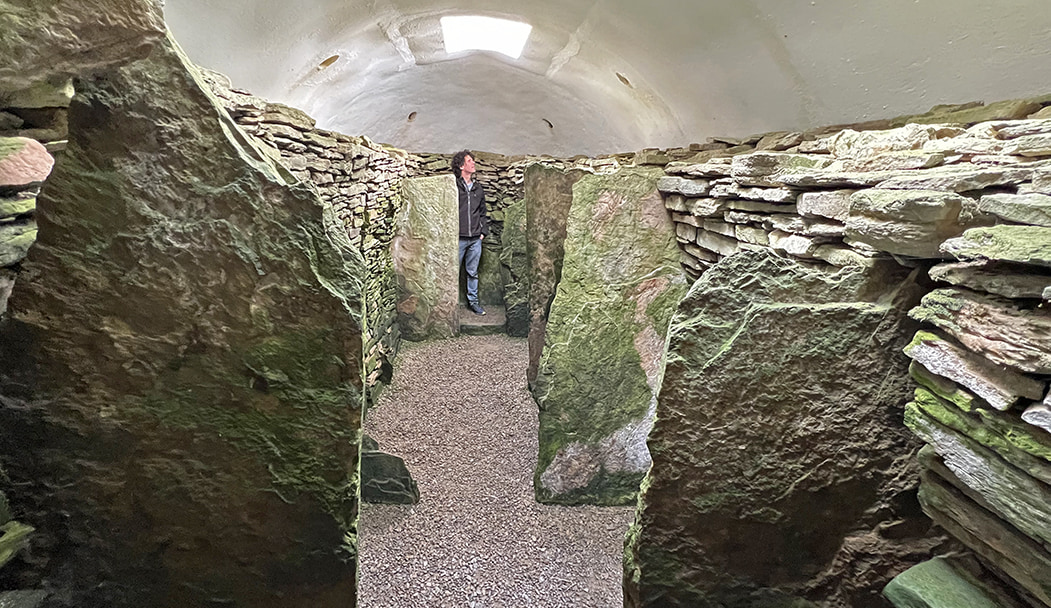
(960, 194)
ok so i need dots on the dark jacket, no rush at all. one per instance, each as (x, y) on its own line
(473, 217)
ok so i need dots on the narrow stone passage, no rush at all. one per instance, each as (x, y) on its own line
(459, 413)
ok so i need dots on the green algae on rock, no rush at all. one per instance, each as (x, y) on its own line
(185, 352)
(780, 404)
(601, 362)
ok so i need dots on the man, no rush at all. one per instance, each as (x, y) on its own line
(474, 223)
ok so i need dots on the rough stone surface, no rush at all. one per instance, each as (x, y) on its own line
(833, 204)
(1005, 243)
(425, 256)
(936, 584)
(385, 479)
(1039, 415)
(11, 208)
(1032, 209)
(1015, 554)
(908, 222)
(514, 257)
(77, 40)
(1007, 280)
(23, 161)
(993, 327)
(182, 362)
(602, 357)
(548, 197)
(1000, 388)
(15, 240)
(778, 448)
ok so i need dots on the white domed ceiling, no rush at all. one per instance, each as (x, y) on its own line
(600, 76)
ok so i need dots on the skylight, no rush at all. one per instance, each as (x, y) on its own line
(475, 33)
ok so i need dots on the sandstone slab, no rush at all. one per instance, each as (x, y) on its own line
(1000, 388)
(995, 328)
(1007, 280)
(1004, 243)
(11, 208)
(1032, 209)
(548, 197)
(77, 41)
(764, 168)
(424, 253)
(23, 162)
(690, 188)
(602, 358)
(514, 258)
(936, 584)
(182, 361)
(908, 222)
(752, 489)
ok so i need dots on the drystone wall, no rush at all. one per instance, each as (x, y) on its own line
(961, 196)
(360, 179)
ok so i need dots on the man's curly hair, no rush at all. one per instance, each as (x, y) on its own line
(458, 160)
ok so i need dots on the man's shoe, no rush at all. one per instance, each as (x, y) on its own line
(476, 309)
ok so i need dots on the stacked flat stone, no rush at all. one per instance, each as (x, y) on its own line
(24, 165)
(972, 195)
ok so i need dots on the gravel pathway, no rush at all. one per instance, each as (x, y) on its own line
(459, 413)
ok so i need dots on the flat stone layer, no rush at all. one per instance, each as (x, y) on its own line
(182, 365)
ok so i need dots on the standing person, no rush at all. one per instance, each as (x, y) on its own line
(474, 223)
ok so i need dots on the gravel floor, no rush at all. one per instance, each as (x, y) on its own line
(459, 413)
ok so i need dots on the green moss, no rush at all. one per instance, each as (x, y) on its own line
(1019, 434)
(946, 389)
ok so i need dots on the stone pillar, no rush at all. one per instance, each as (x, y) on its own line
(601, 364)
(425, 258)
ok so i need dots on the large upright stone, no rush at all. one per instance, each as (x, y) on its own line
(778, 453)
(180, 375)
(548, 196)
(425, 256)
(602, 357)
(514, 259)
(68, 37)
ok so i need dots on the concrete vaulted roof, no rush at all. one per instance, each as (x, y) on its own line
(601, 76)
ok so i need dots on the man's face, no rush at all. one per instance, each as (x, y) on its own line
(468, 164)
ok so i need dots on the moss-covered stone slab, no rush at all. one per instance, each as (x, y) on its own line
(945, 388)
(1007, 280)
(991, 436)
(514, 257)
(1001, 388)
(14, 537)
(11, 208)
(548, 197)
(1033, 209)
(425, 256)
(909, 222)
(996, 542)
(23, 162)
(602, 357)
(182, 364)
(936, 584)
(77, 41)
(997, 329)
(780, 404)
(1005, 243)
(1011, 493)
(15, 240)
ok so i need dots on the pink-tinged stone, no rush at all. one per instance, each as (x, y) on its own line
(23, 161)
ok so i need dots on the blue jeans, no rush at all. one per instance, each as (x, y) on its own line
(471, 249)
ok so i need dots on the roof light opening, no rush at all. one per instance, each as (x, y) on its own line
(476, 33)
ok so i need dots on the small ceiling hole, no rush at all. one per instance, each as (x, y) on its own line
(412, 116)
(324, 64)
(624, 80)
(548, 123)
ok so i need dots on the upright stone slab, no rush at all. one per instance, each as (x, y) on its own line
(425, 258)
(602, 359)
(780, 462)
(515, 265)
(548, 196)
(180, 374)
